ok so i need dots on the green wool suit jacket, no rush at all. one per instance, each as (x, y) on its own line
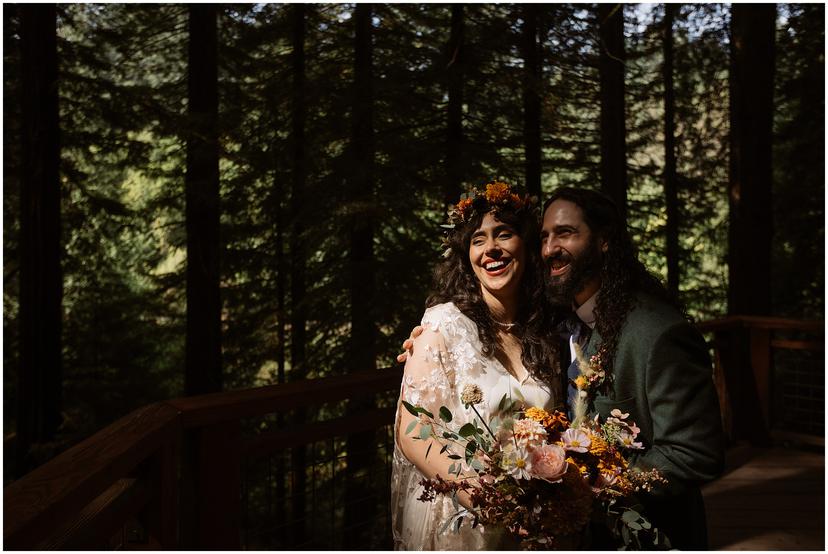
(662, 377)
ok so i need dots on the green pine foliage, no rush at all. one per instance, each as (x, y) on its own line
(123, 90)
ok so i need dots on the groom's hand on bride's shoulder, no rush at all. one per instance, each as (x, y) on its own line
(408, 344)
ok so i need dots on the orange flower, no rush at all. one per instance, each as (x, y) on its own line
(540, 415)
(497, 192)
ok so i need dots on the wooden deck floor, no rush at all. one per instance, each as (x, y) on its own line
(768, 499)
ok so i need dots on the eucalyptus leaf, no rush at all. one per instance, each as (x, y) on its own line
(630, 515)
(428, 450)
(451, 467)
(445, 414)
(454, 457)
(467, 430)
(634, 525)
(426, 412)
(425, 431)
(445, 525)
(502, 404)
(411, 408)
(411, 427)
(445, 447)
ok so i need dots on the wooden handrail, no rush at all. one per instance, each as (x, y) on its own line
(209, 409)
(49, 497)
(43, 498)
(761, 322)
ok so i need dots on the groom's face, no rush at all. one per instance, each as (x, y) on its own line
(571, 253)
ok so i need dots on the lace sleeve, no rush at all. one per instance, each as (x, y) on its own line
(428, 380)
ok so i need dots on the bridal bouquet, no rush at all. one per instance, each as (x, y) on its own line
(538, 475)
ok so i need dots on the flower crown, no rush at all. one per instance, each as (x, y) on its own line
(497, 196)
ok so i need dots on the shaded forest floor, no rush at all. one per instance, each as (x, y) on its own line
(768, 499)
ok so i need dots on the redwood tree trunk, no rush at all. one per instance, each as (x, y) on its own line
(360, 503)
(454, 136)
(670, 176)
(613, 130)
(751, 122)
(41, 285)
(203, 342)
(297, 257)
(532, 99)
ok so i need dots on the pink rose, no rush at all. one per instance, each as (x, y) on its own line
(549, 462)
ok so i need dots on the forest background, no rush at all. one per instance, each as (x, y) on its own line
(304, 154)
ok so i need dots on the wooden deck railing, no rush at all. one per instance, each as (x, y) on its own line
(752, 389)
(175, 470)
(173, 466)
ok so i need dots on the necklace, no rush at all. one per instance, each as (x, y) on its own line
(506, 326)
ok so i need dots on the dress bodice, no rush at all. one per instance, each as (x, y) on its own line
(447, 357)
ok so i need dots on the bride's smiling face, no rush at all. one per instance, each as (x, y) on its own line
(497, 257)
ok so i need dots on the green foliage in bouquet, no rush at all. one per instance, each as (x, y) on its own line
(538, 476)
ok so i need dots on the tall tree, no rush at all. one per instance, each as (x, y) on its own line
(532, 99)
(299, 172)
(297, 250)
(670, 177)
(41, 287)
(203, 341)
(613, 131)
(751, 125)
(363, 328)
(454, 136)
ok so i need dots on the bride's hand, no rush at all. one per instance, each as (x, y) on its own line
(408, 344)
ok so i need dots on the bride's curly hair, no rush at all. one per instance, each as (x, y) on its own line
(622, 273)
(456, 282)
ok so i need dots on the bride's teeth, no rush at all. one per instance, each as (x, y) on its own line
(495, 265)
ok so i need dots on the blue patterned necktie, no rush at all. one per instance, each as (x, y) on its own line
(573, 371)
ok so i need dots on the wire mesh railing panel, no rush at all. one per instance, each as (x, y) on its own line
(330, 493)
(799, 391)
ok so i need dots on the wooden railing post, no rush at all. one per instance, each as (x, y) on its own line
(737, 355)
(761, 362)
(163, 514)
(211, 473)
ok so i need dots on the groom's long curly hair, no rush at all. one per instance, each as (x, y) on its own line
(456, 282)
(622, 273)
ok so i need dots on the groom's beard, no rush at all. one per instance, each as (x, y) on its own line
(561, 290)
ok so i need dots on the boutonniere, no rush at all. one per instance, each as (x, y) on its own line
(591, 379)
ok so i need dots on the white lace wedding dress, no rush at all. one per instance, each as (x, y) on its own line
(447, 356)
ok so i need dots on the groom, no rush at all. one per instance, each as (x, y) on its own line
(659, 365)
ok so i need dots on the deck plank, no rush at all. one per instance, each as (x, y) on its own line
(768, 499)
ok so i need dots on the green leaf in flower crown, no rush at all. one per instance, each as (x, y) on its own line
(425, 412)
(445, 414)
(411, 409)
(450, 436)
(411, 426)
(467, 430)
(425, 431)
(634, 525)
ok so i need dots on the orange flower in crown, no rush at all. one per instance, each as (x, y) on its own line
(496, 196)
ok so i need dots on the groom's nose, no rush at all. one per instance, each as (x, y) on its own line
(549, 247)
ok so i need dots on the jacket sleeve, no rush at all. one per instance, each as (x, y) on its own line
(688, 442)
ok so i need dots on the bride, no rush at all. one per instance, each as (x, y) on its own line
(483, 326)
